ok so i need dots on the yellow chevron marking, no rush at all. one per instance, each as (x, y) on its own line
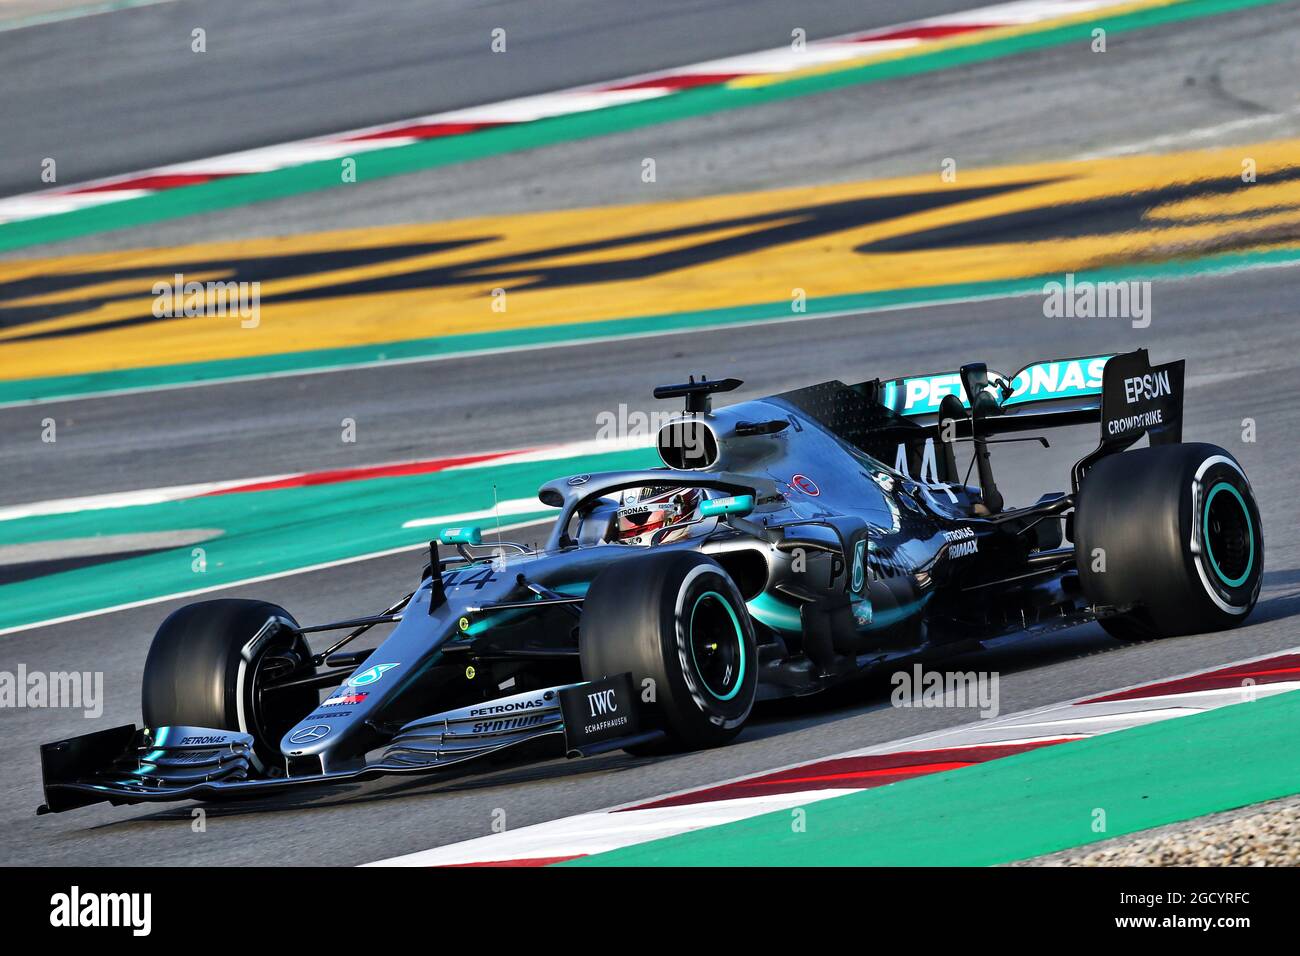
(94, 312)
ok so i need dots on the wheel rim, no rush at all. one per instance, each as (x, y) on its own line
(717, 645)
(1229, 535)
(266, 720)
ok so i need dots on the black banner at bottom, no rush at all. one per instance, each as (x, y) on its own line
(178, 907)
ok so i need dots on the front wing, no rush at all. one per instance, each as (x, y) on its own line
(130, 765)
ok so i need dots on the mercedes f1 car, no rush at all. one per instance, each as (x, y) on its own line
(786, 545)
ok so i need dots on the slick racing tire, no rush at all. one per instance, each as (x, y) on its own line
(674, 618)
(197, 673)
(1171, 537)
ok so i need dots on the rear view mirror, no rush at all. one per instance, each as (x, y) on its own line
(740, 505)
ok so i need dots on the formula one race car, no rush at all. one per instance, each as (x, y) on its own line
(788, 545)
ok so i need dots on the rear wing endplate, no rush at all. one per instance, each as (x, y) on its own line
(1138, 399)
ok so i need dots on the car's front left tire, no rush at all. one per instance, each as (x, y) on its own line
(677, 622)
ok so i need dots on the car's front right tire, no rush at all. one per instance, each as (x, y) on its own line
(211, 663)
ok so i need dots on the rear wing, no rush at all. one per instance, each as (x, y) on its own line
(1124, 393)
(1064, 386)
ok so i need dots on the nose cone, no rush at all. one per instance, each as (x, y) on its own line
(337, 731)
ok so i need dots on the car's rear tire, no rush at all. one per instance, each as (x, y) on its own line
(676, 619)
(1171, 537)
(198, 674)
(1127, 628)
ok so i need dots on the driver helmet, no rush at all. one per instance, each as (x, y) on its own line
(654, 508)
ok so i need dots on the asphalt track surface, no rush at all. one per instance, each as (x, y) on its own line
(1237, 332)
(1225, 80)
(277, 71)
(1238, 369)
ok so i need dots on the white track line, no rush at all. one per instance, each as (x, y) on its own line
(124, 499)
(308, 569)
(150, 496)
(624, 825)
(509, 508)
(1181, 138)
(855, 46)
(581, 339)
(779, 316)
(69, 12)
